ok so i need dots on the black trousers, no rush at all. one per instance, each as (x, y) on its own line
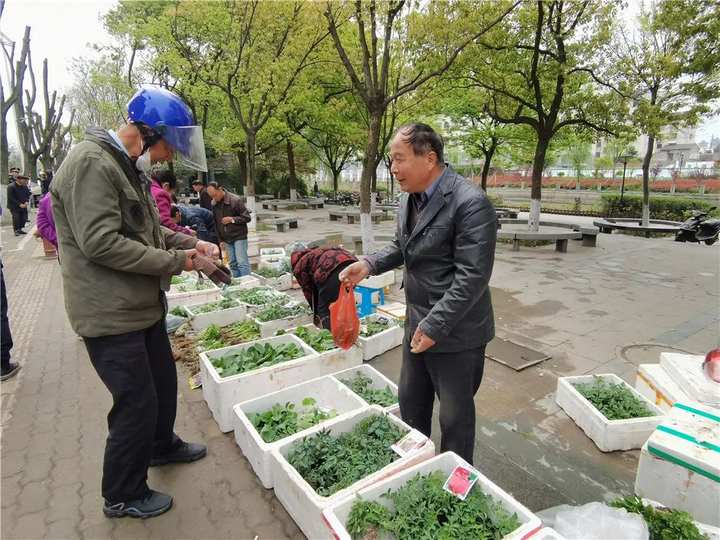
(19, 218)
(327, 293)
(6, 342)
(138, 369)
(455, 379)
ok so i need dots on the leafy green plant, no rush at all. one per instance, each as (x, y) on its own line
(320, 340)
(372, 327)
(254, 357)
(274, 312)
(284, 420)
(330, 463)
(615, 401)
(225, 303)
(177, 280)
(664, 523)
(423, 509)
(179, 311)
(258, 296)
(190, 286)
(268, 272)
(362, 386)
(214, 337)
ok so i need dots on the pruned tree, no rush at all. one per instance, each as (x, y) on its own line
(36, 131)
(55, 152)
(366, 53)
(10, 89)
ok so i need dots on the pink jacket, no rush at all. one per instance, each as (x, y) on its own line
(164, 202)
(45, 220)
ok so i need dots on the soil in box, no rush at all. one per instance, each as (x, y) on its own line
(614, 401)
(284, 420)
(331, 463)
(215, 337)
(422, 508)
(255, 357)
(362, 386)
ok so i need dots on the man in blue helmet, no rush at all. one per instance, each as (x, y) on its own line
(117, 261)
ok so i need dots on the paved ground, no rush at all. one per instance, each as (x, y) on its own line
(595, 310)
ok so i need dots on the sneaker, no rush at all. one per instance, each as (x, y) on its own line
(184, 452)
(10, 371)
(153, 504)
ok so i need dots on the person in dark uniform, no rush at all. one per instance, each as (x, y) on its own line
(317, 271)
(18, 199)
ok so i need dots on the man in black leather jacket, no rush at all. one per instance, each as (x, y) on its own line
(445, 238)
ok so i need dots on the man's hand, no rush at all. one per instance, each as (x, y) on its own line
(208, 249)
(189, 254)
(23, 205)
(227, 220)
(355, 273)
(420, 342)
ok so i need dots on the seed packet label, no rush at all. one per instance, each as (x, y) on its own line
(461, 481)
(195, 381)
(413, 440)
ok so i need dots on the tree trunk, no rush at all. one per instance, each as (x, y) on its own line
(336, 180)
(646, 181)
(250, 148)
(292, 175)
(4, 151)
(369, 161)
(536, 190)
(486, 166)
(242, 160)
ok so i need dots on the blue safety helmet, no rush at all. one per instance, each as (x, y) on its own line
(169, 116)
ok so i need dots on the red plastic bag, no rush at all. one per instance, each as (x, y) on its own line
(344, 321)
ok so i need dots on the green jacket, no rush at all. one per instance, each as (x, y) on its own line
(116, 258)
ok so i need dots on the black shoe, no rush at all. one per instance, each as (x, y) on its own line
(20, 231)
(184, 452)
(17, 233)
(10, 371)
(153, 504)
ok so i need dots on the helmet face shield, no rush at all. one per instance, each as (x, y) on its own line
(188, 144)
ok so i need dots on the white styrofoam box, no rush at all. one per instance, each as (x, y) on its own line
(655, 383)
(302, 502)
(379, 381)
(547, 533)
(176, 298)
(384, 341)
(200, 321)
(608, 435)
(380, 281)
(687, 371)
(281, 283)
(353, 352)
(272, 252)
(270, 328)
(396, 310)
(680, 463)
(335, 516)
(221, 394)
(275, 296)
(327, 393)
(242, 283)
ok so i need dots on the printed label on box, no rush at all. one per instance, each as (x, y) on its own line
(412, 441)
(461, 481)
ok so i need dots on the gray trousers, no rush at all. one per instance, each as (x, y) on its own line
(454, 378)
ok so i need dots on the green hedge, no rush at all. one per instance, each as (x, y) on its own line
(667, 208)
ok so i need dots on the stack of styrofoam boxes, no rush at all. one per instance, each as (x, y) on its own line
(680, 463)
(381, 281)
(181, 298)
(336, 514)
(222, 317)
(302, 502)
(396, 310)
(272, 258)
(223, 393)
(653, 382)
(270, 328)
(608, 435)
(379, 382)
(381, 342)
(328, 394)
(687, 371)
(282, 283)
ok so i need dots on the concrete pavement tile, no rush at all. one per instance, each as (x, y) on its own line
(13, 462)
(29, 527)
(34, 497)
(63, 529)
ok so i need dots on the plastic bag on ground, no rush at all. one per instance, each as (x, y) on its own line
(344, 321)
(595, 521)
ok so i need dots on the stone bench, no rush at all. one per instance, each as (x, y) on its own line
(356, 241)
(276, 205)
(353, 216)
(588, 233)
(506, 213)
(608, 225)
(282, 222)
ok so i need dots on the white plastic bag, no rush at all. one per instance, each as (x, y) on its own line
(595, 521)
